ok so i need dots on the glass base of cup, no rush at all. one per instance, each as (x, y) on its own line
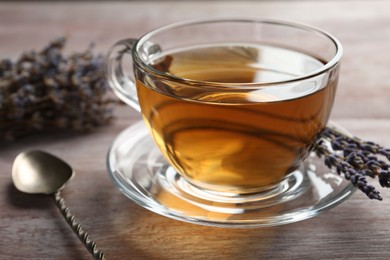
(225, 202)
(141, 173)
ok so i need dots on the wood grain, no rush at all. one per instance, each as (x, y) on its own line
(32, 228)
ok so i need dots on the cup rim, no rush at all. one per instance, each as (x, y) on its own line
(326, 67)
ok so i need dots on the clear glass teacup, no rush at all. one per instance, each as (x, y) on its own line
(234, 105)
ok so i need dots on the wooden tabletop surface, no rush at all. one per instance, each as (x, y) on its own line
(31, 227)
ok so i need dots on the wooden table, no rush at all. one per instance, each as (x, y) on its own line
(32, 228)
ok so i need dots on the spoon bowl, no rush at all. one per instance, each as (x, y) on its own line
(40, 172)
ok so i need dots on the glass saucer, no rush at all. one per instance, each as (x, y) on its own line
(139, 170)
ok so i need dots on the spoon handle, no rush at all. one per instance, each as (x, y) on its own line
(77, 228)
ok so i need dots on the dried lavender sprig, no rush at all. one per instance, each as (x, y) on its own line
(356, 159)
(50, 90)
(362, 154)
(356, 177)
(349, 143)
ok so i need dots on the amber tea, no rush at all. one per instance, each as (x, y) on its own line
(242, 140)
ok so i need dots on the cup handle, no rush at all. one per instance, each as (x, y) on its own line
(122, 85)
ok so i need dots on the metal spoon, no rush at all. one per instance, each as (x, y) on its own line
(40, 172)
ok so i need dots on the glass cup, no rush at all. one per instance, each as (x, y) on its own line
(234, 105)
